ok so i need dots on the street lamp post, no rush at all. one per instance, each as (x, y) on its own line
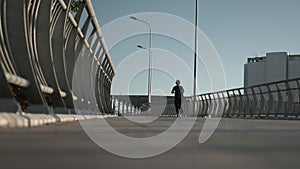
(150, 57)
(195, 57)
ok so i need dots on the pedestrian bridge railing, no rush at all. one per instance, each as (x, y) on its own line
(40, 43)
(279, 99)
(125, 108)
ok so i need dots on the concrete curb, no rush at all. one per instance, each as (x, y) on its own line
(22, 120)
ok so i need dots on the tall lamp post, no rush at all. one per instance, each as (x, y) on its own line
(150, 57)
(195, 57)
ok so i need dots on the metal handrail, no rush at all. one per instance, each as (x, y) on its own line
(99, 32)
(279, 102)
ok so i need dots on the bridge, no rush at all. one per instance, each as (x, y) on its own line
(48, 49)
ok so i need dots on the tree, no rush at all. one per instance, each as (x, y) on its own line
(75, 5)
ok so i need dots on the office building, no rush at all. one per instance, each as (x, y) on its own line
(271, 68)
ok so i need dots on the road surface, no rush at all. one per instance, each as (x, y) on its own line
(236, 144)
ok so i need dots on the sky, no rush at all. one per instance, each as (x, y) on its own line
(238, 29)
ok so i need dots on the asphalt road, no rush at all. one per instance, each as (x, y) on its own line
(236, 144)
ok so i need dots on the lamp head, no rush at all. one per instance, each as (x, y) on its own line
(142, 47)
(134, 18)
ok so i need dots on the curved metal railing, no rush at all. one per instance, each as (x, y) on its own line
(279, 99)
(40, 44)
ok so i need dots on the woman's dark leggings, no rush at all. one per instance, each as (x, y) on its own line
(177, 104)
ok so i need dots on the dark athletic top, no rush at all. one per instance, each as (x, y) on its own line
(178, 90)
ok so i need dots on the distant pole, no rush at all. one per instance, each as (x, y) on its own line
(195, 57)
(150, 58)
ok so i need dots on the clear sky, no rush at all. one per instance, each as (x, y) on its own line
(237, 28)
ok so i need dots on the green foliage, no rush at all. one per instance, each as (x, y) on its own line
(75, 6)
